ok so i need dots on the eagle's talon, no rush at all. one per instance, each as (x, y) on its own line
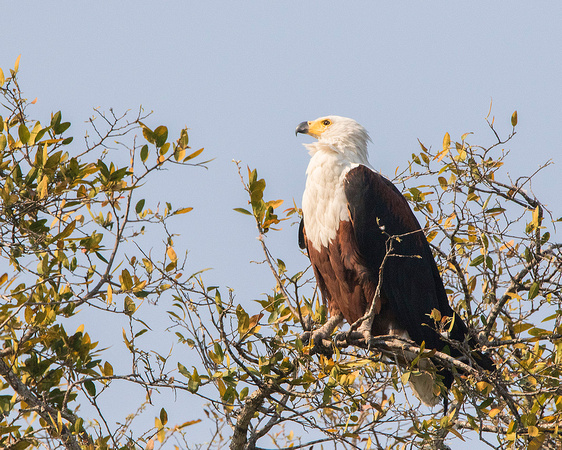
(305, 337)
(342, 339)
(321, 343)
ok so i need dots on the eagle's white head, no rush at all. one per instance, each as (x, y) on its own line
(340, 134)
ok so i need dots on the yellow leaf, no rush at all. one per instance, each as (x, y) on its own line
(179, 155)
(107, 369)
(2, 79)
(221, 386)
(171, 254)
(520, 327)
(449, 221)
(483, 386)
(42, 189)
(126, 280)
(188, 423)
(17, 64)
(435, 315)
(446, 141)
(536, 444)
(536, 217)
(109, 294)
(494, 412)
(194, 154)
(457, 434)
(533, 431)
(275, 203)
(183, 210)
(161, 435)
(440, 156)
(508, 245)
(431, 236)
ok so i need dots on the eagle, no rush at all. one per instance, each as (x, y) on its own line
(359, 232)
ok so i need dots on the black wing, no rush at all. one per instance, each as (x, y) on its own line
(302, 240)
(383, 221)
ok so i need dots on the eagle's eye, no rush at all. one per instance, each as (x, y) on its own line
(326, 122)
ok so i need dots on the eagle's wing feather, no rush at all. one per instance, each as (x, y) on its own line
(382, 221)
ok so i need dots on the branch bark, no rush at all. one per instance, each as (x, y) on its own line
(48, 413)
(252, 404)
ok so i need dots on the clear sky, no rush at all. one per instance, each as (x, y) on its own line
(242, 75)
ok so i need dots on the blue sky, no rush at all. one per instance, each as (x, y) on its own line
(242, 75)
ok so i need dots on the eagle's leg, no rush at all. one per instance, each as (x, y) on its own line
(362, 328)
(322, 337)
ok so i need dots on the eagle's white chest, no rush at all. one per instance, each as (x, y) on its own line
(324, 204)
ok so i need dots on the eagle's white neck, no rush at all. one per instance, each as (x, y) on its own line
(324, 204)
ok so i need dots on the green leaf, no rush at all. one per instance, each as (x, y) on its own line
(495, 211)
(533, 290)
(23, 133)
(129, 306)
(184, 138)
(141, 332)
(90, 387)
(243, 211)
(183, 370)
(243, 393)
(243, 320)
(163, 416)
(139, 206)
(60, 128)
(478, 260)
(144, 152)
(486, 403)
(126, 280)
(148, 134)
(160, 135)
(164, 149)
(514, 118)
(55, 120)
(66, 232)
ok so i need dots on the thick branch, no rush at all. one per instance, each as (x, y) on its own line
(251, 405)
(48, 413)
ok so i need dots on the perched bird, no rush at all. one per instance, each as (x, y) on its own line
(358, 229)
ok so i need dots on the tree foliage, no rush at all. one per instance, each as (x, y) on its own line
(72, 218)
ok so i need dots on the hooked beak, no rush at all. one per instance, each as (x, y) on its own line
(302, 128)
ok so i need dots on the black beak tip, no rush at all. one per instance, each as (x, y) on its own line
(302, 128)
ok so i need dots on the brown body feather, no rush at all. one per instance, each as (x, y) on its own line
(346, 284)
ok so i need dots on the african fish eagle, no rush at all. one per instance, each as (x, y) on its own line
(354, 221)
